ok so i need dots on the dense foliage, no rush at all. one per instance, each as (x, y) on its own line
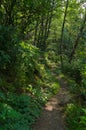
(37, 36)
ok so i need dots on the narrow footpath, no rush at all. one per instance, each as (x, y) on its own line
(53, 117)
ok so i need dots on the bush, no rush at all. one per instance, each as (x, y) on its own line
(18, 112)
(76, 117)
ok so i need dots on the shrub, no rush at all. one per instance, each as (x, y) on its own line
(18, 112)
(76, 117)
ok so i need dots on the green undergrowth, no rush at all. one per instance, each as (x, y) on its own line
(18, 112)
(75, 117)
(75, 110)
(22, 96)
(75, 75)
(26, 84)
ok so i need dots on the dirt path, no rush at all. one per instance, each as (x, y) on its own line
(53, 115)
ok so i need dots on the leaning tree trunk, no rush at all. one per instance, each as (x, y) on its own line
(78, 38)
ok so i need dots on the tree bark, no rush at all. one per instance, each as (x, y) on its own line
(78, 38)
(62, 32)
(9, 12)
(35, 35)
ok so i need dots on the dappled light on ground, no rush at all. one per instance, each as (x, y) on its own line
(53, 116)
(51, 104)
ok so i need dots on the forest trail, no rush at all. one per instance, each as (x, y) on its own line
(53, 115)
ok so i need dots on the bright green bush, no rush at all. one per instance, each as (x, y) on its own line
(76, 117)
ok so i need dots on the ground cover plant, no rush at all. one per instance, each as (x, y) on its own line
(40, 41)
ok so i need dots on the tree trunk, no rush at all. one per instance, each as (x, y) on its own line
(9, 12)
(62, 32)
(36, 31)
(78, 38)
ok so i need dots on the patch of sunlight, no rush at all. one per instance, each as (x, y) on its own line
(61, 75)
(51, 105)
(49, 108)
(55, 85)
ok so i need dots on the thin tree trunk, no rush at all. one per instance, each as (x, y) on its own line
(41, 31)
(47, 27)
(35, 35)
(0, 3)
(9, 11)
(62, 32)
(48, 24)
(78, 38)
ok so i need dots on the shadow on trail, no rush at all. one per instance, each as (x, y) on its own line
(53, 116)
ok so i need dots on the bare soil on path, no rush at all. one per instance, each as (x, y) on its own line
(53, 117)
